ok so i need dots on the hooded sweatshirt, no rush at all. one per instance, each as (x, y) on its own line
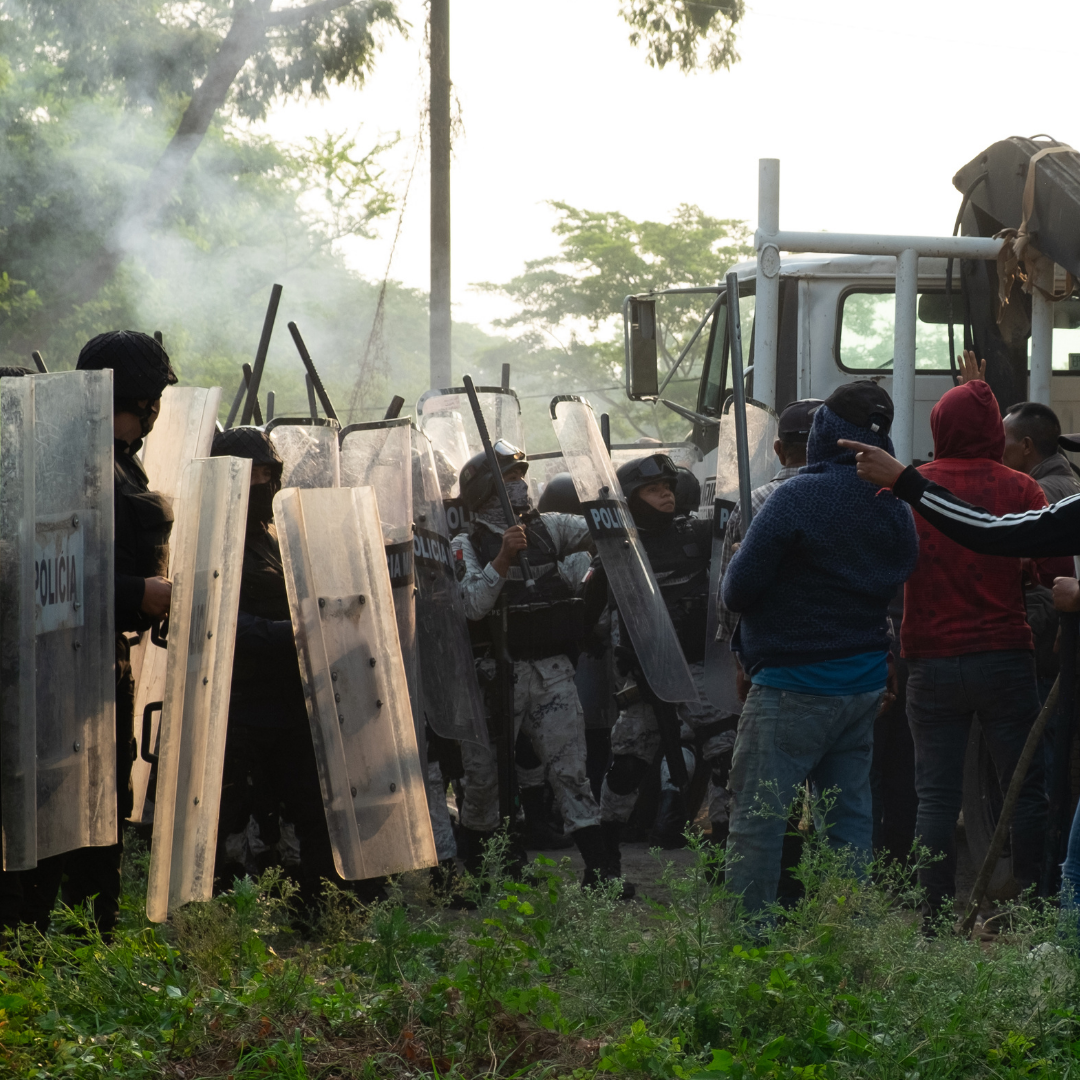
(957, 602)
(821, 560)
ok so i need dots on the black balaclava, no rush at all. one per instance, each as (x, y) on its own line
(261, 503)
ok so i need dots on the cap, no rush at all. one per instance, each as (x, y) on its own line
(796, 419)
(863, 403)
(1070, 442)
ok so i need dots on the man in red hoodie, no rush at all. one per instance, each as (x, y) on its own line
(968, 645)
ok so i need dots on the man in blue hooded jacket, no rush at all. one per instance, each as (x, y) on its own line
(812, 582)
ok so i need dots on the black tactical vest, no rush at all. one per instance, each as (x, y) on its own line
(545, 620)
(679, 556)
(144, 521)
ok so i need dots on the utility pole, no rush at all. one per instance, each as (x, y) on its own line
(439, 38)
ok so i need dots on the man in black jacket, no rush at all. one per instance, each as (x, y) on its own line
(144, 519)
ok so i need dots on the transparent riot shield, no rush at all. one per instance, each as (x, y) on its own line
(641, 607)
(58, 729)
(684, 455)
(184, 431)
(354, 680)
(450, 694)
(761, 429)
(207, 561)
(309, 448)
(542, 467)
(379, 455)
(445, 416)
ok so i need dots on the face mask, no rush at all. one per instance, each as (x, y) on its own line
(260, 504)
(518, 493)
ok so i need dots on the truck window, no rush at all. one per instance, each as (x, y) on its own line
(716, 384)
(866, 324)
(865, 334)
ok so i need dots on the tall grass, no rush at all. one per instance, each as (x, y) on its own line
(543, 979)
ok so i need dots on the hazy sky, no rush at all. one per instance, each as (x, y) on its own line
(870, 107)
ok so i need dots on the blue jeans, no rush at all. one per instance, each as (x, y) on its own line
(944, 694)
(783, 738)
(1070, 868)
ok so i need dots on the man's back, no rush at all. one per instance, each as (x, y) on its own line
(957, 602)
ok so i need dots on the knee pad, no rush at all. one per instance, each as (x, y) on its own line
(626, 774)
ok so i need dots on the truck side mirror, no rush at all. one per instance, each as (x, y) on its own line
(642, 383)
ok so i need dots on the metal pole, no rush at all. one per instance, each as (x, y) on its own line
(738, 392)
(903, 390)
(439, 312)
(1042, 340)
(260, 356)
(767, 302)
(269, 405)
(39, 363)
(506, 376)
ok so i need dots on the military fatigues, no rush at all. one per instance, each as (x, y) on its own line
(546, 704)
(144, 522)
(679, 555)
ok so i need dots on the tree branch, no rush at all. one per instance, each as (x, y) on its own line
(291, 17)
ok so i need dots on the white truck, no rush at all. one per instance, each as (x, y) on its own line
(821, 309)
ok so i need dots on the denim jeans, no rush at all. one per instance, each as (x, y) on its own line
(944, 695)
(783, 738)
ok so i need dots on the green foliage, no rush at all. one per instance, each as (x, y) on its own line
(570, 305)
(156, 52)
(546, 980)
(694, 33)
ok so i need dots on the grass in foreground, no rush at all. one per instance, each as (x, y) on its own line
(543, 980)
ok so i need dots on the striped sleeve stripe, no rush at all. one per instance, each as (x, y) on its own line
(980, 519)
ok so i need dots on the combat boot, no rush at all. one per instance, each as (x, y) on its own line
(539, 833)
(471, 844)
(594, 844)
(669, 826)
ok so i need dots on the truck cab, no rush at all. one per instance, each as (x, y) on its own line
(836, 324)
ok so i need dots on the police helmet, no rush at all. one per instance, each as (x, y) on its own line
(560, 496)
(477, 484)
(647, 470)
(253, 443)
(687, 491)
(140, 364)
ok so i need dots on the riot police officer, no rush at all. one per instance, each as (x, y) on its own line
(270, 770)
(544, 629)
(679, 550)
(143, 524)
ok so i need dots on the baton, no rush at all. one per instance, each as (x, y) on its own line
(309, 364)
(496, 473)
(251, 404)
(738, 390)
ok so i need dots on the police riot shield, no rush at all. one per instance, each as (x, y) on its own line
(354, 680)
(207, 561)
(445, 416)
(449, 692)
(379, 455)
(58, 701)
(641, 607)
(309, 449)
(761, 426)
(184, 431)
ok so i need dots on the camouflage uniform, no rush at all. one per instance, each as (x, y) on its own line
(439, 812)
(636, 734)
(545, 697)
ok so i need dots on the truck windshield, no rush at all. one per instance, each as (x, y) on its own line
(717, 382)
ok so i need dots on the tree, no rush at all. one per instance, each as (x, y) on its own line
(570, 304)
(694, 33)
(216, 59)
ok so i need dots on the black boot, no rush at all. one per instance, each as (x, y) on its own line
(594, 843)
(471, 844)
(670, 823)
(539, 833)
